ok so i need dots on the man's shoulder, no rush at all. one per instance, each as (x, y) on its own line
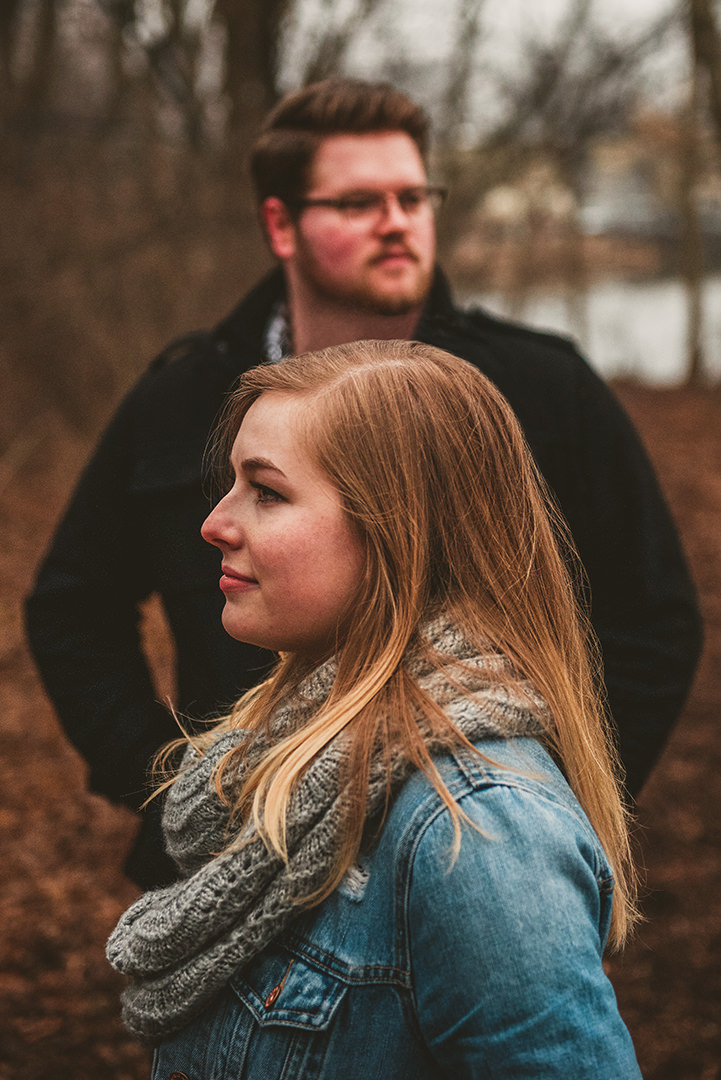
(476, 331)
(500, 329)
(199, 367)
(182, 388)
(172, 407)
(543, 375)
(188, 348)
(198, 356)
(234, 344)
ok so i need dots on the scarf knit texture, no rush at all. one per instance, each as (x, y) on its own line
(181, 944)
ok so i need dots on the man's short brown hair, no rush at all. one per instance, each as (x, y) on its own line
(283, 155)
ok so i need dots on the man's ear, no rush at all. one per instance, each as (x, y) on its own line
(279, 227)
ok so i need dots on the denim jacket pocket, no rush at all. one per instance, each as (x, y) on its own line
(290, 1005)
(286, 990)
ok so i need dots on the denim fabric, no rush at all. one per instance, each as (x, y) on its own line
(419, 967)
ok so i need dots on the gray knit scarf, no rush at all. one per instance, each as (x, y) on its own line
(181, 944)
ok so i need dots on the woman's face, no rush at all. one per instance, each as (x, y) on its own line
(292, 561)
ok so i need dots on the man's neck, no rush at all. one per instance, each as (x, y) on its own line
(321, 333)
(319, 326)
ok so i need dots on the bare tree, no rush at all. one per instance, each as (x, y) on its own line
(706, 46)
(455, 107)
(582, 85)
(253, 31)
(705, 94)
(328, 52)
(563, 96)
(8, 23)
(32, 96)
(692, 258)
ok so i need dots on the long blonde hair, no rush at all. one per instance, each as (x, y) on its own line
(434, 472)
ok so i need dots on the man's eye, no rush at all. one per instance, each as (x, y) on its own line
(411, 200)
(362, 204)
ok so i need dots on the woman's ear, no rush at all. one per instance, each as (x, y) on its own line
(279, 227)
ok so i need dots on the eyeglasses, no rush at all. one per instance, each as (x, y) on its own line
(369, 206)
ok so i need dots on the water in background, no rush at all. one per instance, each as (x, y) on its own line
(634, 330)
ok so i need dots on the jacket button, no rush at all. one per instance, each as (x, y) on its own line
(177, 1076)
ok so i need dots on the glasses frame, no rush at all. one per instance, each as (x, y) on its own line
(435, 195)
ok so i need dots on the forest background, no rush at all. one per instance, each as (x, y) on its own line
(127, 219)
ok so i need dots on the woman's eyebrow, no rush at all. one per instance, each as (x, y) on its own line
(253, 464)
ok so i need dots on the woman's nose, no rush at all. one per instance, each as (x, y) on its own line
(221, 527)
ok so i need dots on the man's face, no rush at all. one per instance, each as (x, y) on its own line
(382, 264)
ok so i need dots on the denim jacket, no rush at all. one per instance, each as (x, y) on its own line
(420, 966)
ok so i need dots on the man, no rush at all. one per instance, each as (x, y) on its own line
(345, 201)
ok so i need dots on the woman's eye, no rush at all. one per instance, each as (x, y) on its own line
(265, 494)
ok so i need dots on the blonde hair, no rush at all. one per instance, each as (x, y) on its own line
(434, 472)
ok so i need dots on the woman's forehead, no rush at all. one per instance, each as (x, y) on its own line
(278, 428)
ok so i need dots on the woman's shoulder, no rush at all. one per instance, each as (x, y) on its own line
(512, 797)
(504, 934)
(523, 853)
(521, 763)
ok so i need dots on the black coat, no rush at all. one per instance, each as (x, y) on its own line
(132, 529)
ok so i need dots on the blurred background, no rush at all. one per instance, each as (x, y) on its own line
(580, 140)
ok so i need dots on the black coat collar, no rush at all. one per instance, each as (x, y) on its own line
(242, 332)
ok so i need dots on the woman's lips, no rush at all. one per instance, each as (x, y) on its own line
(231, 581)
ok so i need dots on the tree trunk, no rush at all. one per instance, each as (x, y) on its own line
(692, 246)
(706, 50)
(38, 87)
(252, 33)
(8, 28)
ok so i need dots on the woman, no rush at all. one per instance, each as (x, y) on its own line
(399, 852)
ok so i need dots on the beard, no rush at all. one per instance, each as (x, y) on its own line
(378, 297)
(373, 289)
(385, 302)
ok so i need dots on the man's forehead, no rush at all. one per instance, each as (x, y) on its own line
(379, 159)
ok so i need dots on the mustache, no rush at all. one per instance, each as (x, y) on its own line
(395, 248)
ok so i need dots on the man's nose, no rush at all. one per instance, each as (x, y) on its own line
(394, 218)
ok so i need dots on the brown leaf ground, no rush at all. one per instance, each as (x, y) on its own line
(61, 849)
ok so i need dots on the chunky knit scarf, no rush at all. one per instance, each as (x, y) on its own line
(181, 944)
